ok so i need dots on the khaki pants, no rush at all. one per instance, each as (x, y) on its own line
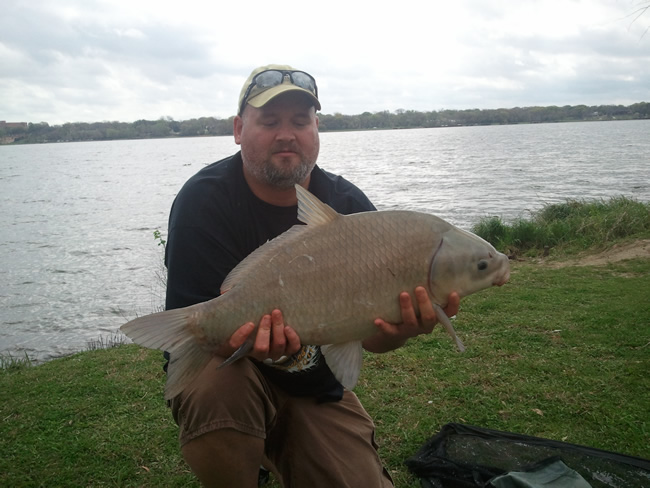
(308, 444)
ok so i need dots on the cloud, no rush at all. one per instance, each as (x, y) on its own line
(91, 60)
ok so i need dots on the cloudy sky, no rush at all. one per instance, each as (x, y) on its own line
(95, 60)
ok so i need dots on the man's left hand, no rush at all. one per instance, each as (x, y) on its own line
(391, 336)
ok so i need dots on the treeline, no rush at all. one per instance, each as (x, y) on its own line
(406, 119)
(104, 131)
(400, 119)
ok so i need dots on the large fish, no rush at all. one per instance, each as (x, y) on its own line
(331, 279)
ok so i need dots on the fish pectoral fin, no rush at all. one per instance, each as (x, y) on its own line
(243, 350)
(444, 320)
(344, 360)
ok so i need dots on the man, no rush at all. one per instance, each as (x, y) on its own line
(281, 407)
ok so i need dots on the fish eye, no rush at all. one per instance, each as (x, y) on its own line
(482, 265)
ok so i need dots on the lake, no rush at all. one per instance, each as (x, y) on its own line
(78, 253)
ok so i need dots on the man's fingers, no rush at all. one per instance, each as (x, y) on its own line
(236, 340)
(428, 317)
(293, 341)
(386, 327)
(241, 334)
(453, 304)
(274, 339)
(263, 338)
(278, 340)
(408, 312)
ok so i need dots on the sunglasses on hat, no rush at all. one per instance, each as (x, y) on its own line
(274, 77)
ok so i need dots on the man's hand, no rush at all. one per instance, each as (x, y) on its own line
(273, 340)
(391, 336)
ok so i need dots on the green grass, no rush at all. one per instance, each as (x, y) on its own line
(561, 353)
(569, 227)
(558, 353)
(9, 362)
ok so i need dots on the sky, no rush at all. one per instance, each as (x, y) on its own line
(124, 60)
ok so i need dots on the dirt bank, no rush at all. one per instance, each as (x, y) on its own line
(629, 250)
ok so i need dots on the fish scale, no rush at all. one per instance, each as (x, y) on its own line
(356, 258)
(331, 279)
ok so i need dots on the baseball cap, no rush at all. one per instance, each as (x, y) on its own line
(267, 82)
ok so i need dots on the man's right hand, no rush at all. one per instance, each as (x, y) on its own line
(273, 340)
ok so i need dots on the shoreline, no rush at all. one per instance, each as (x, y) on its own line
(21, 133)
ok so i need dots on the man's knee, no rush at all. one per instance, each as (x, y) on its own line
(235, 397)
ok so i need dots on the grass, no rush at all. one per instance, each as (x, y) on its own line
(560, 352)
(568, 227)
(92, 419)
(114, 340)
(9, 362)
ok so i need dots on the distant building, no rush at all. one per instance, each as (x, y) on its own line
(12, 125)
(18, 127)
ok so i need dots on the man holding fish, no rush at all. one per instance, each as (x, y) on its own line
(284, 404)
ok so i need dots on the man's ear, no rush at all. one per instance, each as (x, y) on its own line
(237, 124)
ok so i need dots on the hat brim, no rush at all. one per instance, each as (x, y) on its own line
(267, 95)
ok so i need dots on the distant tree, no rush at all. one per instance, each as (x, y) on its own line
(641, 9)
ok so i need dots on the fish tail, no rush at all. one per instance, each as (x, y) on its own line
(168, 331)
(163, 330)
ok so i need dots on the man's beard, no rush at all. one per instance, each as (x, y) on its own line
(282, 177)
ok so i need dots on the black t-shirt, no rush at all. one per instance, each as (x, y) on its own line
(215, 222)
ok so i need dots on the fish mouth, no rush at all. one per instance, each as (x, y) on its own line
(502, 279)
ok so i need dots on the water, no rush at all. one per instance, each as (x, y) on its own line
(465, 173)
(78, 253)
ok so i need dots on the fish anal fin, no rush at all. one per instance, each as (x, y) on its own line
(185, 363)
(311, 210)
(446, 323)
(344, 360)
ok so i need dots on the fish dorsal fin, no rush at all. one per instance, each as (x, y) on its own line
(311, 210)
(344, 360)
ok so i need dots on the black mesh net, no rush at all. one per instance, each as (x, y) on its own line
(467, 456)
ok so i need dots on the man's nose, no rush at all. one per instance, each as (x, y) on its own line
(285, 132)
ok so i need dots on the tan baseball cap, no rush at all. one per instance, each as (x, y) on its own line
(288, 79)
